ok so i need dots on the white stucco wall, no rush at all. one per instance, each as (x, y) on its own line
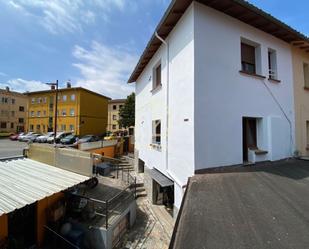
(151, 106)
(223, 95)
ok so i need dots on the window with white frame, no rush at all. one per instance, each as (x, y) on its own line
(250, 57)
(72, 112)
(32, 113)
(64, 98)
(306, 74)
(157, 76)
(32, 100)
(39, 100)
(38, 113)
(64, 112)
(156, 131)
(272, 64)
(44, 100)
(72, 97)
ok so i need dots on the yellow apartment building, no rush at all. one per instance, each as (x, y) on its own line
(113, 114)
(13, 111)
(301, 96)
(80, 111)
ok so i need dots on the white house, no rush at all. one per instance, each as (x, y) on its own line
(214, 87)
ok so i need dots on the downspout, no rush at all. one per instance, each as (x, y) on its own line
(167, 94)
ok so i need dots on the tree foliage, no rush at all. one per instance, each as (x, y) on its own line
(127, 112)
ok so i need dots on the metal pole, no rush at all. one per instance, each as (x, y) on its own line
(56, 113)
(106, 214)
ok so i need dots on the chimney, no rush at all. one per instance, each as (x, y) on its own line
(52, 87)
(7, 89)
(69, 84)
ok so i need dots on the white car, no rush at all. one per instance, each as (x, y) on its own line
(22, 137)
(43, 138)
(59, 135)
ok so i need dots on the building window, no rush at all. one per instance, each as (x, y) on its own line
(64, 112)
(4, 100)
(72, 128)
(31, 127)
(38, 127)
(3, 125)
(21, 120)
(306, 75)
(72, 112)
(64, 98)
(32, 100)
(272, 64)
(248, 58)
(156, 76)
(21, 108)
(156, 132)
(12, 125)
(114, 127)
(32, 113)
(13, 113)
(44, 100)
(63, 127)
(114, 117)
(114, 107)
(13, 101)
(38, 113)
(39, 100)
(44, 113)
(73, 97)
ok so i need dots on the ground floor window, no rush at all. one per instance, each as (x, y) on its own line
(31, 127)
(3, 125)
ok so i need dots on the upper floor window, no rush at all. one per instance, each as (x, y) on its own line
(4, 100)
(156, 132)
(272, 64)
(114, 117)
(39, 100)
(13, 101)
(114, 107)
(73, 97)
(38, 113)
(32, 114)
(156, 82)
(20, 120)
(44, 100)
(306, 75)
(64, 112)
(21, 108)
(72, 112)
(44, 113)
(32, 100)
(64, 98)
(250, 57)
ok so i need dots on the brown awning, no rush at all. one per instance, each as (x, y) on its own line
(238, 9)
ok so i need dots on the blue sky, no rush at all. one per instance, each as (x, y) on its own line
(93, 43)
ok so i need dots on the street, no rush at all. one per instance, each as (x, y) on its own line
(10, 148)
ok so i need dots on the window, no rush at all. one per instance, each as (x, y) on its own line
(64, 98)
(114, 117)
(248, 58)
(44, 113)
(32, 114)
(31, 127)
(13, 113)
(306, 75)
(272, 64)
(38, 127)
(38, 114)
(13, 101)
(21, 108)
(63, 127)
(156, 77)
(64, 112)
(71, 127)
(156, 132)
(4, 100)
(32, 100)
(44, 100)
(3, 125)
(73, 97)
(20, 120)
(12, 125)
(39, 100)
(72, 112)
(114, 127)
(114, 107)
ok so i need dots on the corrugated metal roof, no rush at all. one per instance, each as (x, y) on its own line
(25, 181)
(160, 178)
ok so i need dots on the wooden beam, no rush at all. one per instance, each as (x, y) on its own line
(298, 43)
(304, 47)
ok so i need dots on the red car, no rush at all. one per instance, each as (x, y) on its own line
(14, 137)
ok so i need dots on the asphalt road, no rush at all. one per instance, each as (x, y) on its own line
(10, 148)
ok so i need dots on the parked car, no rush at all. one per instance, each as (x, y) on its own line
(15, 137)
(31, 137)
(59, 136)
(21, 137)
(43, 138)
(89, 138)
(110, 137)
(70, 139)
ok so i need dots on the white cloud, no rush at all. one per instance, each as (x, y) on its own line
(21, 85)
(105, 69)
(63, 16)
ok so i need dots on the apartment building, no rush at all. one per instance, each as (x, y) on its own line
(114, 106)
(300, 51)
(80, 111)
(13, 111)
(214, 87)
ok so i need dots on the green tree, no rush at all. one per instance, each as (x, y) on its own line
(127, 112)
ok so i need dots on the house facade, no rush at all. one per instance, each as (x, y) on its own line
(214, 87)
(114, 106)
(13, 111)
(301, 96)
(79, 111)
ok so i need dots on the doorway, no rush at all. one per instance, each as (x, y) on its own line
(22, 227)
(249, 135)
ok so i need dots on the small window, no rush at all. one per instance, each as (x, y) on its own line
(31, 127)
(39, 100)
(72, 128)
(32, 100)
(114, 117)
(38, 127)
(64, 112)
(21, 108)
(157, 77)
(306, 75)
(114, 127)
(12, 125)
(272, 64)
(13, 101)
(3, 125)
(44, 113)
(32, 114)
(20, 120)
(156, 132)
(38, 113)
(248, 64)
(44, 100)
(114, 107)
(73, 97)
(64, 98)
(4, 100)
(63, 127)
(72, 112)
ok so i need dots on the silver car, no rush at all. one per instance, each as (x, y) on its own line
(43, 138)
